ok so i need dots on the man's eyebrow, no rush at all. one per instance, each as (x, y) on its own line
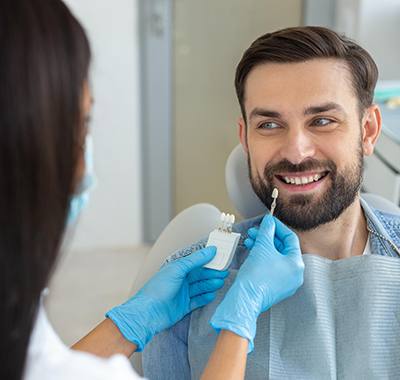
(324, 108)
(264, 113)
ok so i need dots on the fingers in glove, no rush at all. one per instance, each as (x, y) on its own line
(249, 243)
(205, 274)
(201, 300)
(267, 225)
(278, 244)
(196, 259)
(288, 238)
(253, 232)
(205, 286)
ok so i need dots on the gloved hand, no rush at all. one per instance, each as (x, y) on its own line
(272, 272)
(174, 291)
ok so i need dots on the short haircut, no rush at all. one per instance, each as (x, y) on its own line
(301, 44)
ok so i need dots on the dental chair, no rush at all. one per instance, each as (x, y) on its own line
(196, 222)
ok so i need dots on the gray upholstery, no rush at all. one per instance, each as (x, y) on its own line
(239, 187)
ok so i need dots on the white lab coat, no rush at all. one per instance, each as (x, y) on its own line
(50, 359)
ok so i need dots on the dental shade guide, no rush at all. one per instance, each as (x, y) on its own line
(222, 218)
(232, 222)
(226, 242)
(273, 205)
(227, 218)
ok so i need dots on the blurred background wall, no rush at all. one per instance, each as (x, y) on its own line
(376, 26)
(210, 39)
(113, 218)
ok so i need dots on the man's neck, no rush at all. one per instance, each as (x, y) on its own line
(340, 239)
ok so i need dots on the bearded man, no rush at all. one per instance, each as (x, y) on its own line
(307, 122)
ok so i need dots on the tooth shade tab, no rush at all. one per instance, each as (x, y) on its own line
(227, 222)
(222, 219)
(273, 205)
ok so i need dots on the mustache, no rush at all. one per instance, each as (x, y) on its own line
(286, 166)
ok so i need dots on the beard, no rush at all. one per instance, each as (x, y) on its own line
(306, 212)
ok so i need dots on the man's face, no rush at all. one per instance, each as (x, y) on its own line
(304, 137)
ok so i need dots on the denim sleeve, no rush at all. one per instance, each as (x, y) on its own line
(166, 355)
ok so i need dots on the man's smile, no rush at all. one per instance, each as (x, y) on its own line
(302, 181)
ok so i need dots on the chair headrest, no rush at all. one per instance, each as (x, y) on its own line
(239, 188)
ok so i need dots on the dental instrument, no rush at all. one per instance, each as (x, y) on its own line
(226, 242)
(273, 205)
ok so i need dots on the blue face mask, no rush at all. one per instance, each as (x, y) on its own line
(88, 183)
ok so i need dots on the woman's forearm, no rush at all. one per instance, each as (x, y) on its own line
(228, 358)
(106, 340)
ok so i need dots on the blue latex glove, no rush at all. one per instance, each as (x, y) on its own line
(272, 272)
(174, 291)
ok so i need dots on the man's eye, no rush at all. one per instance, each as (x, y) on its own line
(321, 122)
(269, 125)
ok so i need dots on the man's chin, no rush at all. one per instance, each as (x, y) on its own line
(303, 213)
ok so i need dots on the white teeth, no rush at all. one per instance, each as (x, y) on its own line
(303, 180)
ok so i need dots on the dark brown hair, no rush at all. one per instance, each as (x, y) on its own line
(300, 44)
(44, 61)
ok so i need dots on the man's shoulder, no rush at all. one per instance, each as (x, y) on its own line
(391, 219)
(241, 228)
(385, 229)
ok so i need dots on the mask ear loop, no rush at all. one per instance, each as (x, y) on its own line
(273, 205)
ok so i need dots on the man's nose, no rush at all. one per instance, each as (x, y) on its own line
(297, 146)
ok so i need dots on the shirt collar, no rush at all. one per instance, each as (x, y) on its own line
(378, 224)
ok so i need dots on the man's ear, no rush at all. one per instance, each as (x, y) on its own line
(243, 136)
(371, 128)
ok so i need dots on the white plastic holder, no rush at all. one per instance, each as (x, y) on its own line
(226, 244)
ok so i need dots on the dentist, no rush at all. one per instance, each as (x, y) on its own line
(45, 175)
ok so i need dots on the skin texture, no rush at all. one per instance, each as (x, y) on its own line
(106, 340)
(87, 103)
(287, 133)
(228, 359)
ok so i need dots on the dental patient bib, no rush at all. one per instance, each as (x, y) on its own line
(342, 323)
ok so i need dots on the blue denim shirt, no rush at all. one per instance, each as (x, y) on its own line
(166, 356)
